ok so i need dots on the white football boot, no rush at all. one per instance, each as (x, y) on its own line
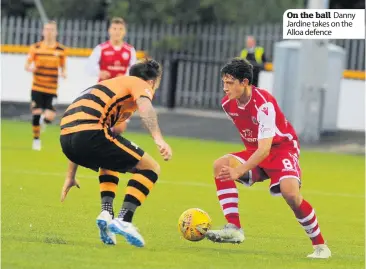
(320, 252)
(36, 144)
(128, 230)
(103, 220)
(229, 234)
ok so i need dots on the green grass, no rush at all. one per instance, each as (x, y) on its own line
(40, 232)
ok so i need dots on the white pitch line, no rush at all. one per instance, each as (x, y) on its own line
(185, 183)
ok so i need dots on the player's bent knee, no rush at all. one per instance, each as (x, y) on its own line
(148, 163)
(290, 191)
(290, 196)
(156, 168)
(50, 115)
(219, 163)
(293, 199)
(226, 160)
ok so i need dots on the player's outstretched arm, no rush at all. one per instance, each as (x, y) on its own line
(70, 180)
(150, 120)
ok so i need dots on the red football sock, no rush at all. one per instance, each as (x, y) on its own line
(228, 197)
(305, 215)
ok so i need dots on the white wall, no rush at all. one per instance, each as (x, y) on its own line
(16, 84)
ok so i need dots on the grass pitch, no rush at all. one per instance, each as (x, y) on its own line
(40, 232)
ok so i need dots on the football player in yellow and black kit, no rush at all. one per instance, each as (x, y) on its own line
(47, 61)
(89, 138)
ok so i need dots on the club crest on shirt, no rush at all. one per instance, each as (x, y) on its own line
(125, 56)
(254, 119)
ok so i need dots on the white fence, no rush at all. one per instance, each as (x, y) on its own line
(16, 84)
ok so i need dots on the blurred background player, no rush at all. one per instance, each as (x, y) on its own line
(256, 56)
(272, 151)
(44, 60)
(114, 57)
(87, 140)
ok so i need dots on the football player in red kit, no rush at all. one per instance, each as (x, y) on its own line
(272, 151)
(114, 57)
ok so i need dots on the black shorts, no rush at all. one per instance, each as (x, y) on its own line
(43, 100)
(96, 149)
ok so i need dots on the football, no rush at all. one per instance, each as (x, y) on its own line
(193, 224)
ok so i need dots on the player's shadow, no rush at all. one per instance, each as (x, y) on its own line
(59, 240)
(55, 241)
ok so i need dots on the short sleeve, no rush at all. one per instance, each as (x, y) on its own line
(140, 88)
(267, 121)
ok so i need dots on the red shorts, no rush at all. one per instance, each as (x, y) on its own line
(276, 166)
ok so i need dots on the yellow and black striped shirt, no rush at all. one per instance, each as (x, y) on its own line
(47, 62)
(104, 105)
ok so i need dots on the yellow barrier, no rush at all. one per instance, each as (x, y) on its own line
(77, 52)
(81, 52)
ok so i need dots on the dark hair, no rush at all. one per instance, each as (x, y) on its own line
(146, 70)
(238, 68)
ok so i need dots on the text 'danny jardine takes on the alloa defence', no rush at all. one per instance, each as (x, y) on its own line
(324, 24)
